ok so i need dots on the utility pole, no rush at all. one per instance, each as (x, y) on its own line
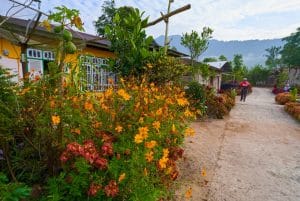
(166, 19)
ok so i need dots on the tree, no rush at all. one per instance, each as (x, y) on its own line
(129, 42)
(258, 74)
(195, 43)
(290, 53)
(222, 58)
(210, 59)
(239, 69)
(108, 13)
(273, 56)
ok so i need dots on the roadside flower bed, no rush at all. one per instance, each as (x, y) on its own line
(205, 101)
(283, 98)
(118, 144)
(293, 108)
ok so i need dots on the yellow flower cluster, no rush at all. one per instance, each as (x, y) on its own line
(182, 101)
(156, 125)
(189, 132)
(123, 94)
(142, 135)
(151, 144)
(55, 120)
(163, 161)
(149, 156)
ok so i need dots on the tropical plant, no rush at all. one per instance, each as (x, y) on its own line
(273, 57)
(291, 50)
(196, 43)
(294, 94)
(129, 42)
(108, 13)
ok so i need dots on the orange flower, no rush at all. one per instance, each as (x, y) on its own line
(203, 172)
(149, 156)
(119, 129)
(182, 101)
(97, 124)
(142, 135)
(156, 125)
(76, 130)
(145, 172)
(138, 138)
(52, 104)
(151, 144)
(159, 112)
(55, 119)
(108, 93)
(110, 81)
(189, 132)
(123, 94)
(173, 129)
(122, 177)
(144, 131)
(188, 193)
(88, 106)
(141, 120)
(188, 113)
(163, 162)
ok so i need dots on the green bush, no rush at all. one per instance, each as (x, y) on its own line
(196, 94)
(11, 191)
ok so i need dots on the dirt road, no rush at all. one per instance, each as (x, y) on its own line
(251, 155)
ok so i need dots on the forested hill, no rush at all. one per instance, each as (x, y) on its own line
(253, 51)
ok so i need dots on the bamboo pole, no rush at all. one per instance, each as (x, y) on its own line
(179, 10)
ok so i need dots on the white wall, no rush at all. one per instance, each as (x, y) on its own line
(14, 66)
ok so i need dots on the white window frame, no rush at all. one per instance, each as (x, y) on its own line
(96, 78)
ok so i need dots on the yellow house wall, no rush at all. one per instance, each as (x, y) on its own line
(14, 50)
(12, 60)
(89, 51)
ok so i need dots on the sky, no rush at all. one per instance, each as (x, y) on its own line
(230, 19)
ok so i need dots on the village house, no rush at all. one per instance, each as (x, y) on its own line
(25, 49)
(214, 78)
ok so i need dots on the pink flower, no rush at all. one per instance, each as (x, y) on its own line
(107, 149)
(93, 190)
(112, 189)
(101, 163)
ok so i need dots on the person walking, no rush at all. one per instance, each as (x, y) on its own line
(244, 89)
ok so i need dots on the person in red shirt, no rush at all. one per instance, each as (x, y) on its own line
(244, 89)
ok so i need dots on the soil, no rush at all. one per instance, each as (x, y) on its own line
(251, 155)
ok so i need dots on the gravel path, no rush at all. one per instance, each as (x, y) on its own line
(251, 155)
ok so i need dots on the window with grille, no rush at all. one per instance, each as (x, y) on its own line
(96, 77)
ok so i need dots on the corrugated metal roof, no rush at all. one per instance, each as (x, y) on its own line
(89, 39)
(217, 64)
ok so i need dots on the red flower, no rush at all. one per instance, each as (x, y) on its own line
(94, 188)
(64, 157)
(107, 149)
(112, 189)
(101, 163)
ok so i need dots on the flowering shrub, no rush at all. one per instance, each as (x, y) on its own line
(219, 105)
(293, 108)
(196, 94)
(283, 98)
(120, 144)
(133, 140)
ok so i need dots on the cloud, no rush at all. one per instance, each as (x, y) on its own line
(230, 19)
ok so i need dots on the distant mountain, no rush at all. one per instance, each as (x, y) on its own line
(253, 51)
